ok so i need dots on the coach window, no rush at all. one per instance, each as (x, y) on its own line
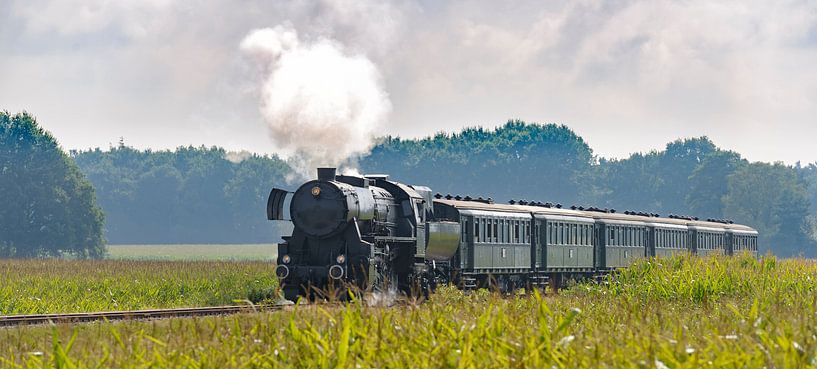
(568, 234)
(476, 230)
(550, 233)
(576, 234)
(518, 238)
(527, 231)
(631, 234)
(549, 229)
(521, 225)
(482, 225)
(495, 230)
(565, 233)
(582, 235)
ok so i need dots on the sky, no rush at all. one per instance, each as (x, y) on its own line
(628, 76)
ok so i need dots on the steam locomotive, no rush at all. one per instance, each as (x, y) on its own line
(375, 233)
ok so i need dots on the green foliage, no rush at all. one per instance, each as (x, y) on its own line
(774, 199)
(61, 286)
(744, 313)
(195, 195)
(708, 183)
(711, 279)
(190, 195)
(517, 160)
(659, 181)
(48, 207)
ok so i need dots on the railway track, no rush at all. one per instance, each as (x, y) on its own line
(16, 320)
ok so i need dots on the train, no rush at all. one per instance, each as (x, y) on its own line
(374, 233)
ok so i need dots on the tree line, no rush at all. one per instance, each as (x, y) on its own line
(551, 163)
(54, 201)
(189, 195)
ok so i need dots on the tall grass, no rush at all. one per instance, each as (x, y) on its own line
(706, 279)
(663, 321)
(57, 286)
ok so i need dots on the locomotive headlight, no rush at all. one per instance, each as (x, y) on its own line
(340, 259)
(316, 191)
(286, 259)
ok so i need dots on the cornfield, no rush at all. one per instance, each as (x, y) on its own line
(683, 312)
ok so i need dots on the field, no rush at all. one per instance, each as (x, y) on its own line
(194, 252)
(59, 286)
(684, 312)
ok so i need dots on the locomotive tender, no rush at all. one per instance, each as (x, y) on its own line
(376, 233)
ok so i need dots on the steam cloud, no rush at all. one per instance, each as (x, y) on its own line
(324, 106)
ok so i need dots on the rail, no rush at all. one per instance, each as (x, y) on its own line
(16, 320)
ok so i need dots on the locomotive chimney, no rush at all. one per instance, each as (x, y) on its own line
(326, 174)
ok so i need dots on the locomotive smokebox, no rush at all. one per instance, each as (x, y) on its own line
(326, 174)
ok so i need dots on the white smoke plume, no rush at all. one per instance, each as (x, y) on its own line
(324, 106)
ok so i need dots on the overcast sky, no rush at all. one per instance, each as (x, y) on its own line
(626, 75)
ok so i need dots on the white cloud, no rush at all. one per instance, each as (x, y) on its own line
(627, 75)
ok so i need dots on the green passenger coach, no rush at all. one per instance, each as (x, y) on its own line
(511, 244)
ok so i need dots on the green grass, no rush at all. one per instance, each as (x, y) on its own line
(194, 252)
(57, 286)
(683, 312)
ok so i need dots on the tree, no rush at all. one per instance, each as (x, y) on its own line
(48, 207)
(773, 199)
(708, 183)
(677, 163)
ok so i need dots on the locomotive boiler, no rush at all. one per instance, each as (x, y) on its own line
(366, 231)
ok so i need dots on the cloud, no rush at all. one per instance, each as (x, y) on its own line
(627, 75)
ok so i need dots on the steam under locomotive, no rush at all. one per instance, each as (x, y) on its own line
(376, 233)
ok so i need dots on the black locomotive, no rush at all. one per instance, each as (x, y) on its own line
(375, 233)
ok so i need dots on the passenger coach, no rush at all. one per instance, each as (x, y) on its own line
(510, 244)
